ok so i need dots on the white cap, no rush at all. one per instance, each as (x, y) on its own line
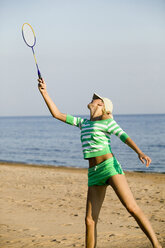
(107, 102)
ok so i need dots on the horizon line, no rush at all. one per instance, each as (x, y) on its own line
(10, 116)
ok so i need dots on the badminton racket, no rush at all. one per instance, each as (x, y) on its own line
(30, 40)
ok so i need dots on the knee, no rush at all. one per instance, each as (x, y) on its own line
(133, 209)
(89, 221)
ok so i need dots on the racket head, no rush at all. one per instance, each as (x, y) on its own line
(28, 35)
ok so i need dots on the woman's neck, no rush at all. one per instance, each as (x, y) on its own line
(100, 117)
(96, 118)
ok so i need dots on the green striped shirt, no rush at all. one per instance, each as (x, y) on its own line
(95, 135)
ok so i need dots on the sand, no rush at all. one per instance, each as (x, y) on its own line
(45, 207)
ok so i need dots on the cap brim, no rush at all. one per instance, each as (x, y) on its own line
(96, 96)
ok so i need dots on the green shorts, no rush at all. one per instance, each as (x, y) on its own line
(99, 174)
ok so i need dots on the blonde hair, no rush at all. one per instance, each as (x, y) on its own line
(107, 113)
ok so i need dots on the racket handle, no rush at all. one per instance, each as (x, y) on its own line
(39, 74)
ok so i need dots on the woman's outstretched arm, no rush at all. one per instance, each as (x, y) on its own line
(51, 105)
(144, 158)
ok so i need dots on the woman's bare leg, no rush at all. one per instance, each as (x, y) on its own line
(120, 186)
(95, 198)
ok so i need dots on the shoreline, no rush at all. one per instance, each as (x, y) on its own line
(47, 166)
(42, 166)
(44, 207)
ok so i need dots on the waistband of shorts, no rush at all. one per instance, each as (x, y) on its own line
(105, 162)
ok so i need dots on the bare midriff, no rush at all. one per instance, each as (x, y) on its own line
(97, 160)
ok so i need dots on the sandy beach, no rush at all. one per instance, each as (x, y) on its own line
(43, 206)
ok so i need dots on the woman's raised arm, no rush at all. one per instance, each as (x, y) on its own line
(51, 105)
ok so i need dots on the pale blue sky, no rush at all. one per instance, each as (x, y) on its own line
(115, 48)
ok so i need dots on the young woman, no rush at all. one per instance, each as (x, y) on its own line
(104, 169)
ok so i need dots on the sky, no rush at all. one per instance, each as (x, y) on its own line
(115, 48)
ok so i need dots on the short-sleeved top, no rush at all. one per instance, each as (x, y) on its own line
(95, 135)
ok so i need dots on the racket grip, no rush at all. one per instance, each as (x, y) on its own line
(39, 74)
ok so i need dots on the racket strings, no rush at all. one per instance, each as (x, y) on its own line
(28, 35)
(30, 40)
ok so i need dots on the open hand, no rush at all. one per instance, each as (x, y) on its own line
(145, 159)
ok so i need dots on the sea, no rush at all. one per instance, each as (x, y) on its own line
(43, 140)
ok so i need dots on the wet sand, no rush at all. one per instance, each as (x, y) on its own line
(44, 207)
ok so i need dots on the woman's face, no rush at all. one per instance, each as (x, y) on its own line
(95, 103)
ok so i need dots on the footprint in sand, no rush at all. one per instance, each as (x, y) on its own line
(138, 198)
(56, 241)
(61, 205)
(111, 235)
(68, 224)
(130, 227)
(64, 239)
